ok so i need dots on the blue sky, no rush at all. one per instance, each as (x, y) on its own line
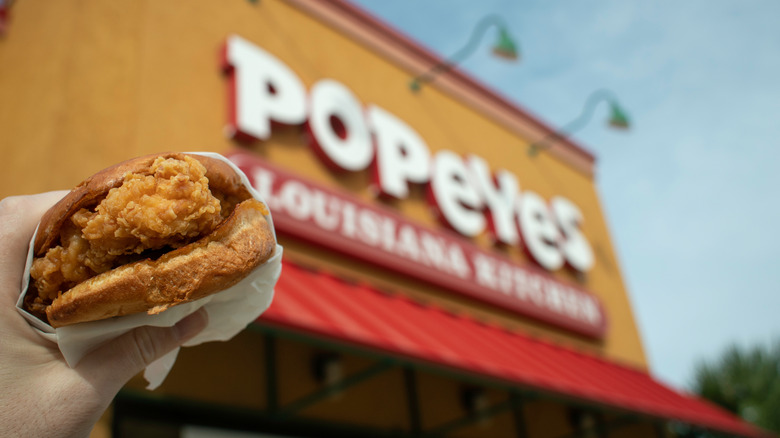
(689, 191)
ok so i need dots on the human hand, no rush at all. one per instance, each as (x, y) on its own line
(39, 394)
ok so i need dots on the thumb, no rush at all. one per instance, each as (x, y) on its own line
(112, 365)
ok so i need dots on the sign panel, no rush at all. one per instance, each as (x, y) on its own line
(340, 222)
(346, 135)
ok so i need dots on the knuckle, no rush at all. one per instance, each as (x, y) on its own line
(11, 210)
(11, 205)
(149, 345)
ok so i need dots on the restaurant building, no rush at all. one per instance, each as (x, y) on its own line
(438, 279)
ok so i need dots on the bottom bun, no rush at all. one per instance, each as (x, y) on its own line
(215, 262)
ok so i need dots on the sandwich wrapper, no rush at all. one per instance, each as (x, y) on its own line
(229, 311)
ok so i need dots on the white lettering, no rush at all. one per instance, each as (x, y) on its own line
(458, 262)
(326, 211)
(528, 287)
(485, 271)
(499, 193)
(388, 234)
(408, 246)
(334, 214)
(467, 196)
(401, 155)
(263, 182)
(433, 251)
(368, 227)
(455, 196)
(535, 289)
(265, 90)
(348, 220)
(590, 310)
(575, 246)
(296, 200)
(339, 130)
(539, 231)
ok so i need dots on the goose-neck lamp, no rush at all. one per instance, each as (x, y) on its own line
(505, 48)
(618, 119)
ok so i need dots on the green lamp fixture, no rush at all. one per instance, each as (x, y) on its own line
(505, 48)
(618, 119)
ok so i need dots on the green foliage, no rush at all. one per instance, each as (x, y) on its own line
(745, 381)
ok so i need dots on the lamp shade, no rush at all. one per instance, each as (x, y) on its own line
(618, 118)
(506, 47)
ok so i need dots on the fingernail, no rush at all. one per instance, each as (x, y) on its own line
(192, 325)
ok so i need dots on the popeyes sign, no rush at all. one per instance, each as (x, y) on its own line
(469, 198)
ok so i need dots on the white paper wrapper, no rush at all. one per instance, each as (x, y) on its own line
(229, 311)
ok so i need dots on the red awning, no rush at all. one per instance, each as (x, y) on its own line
(320, 304)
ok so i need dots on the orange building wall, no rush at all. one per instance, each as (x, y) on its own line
(86, 83)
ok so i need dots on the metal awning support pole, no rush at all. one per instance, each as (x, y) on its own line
(470, 419)
(622, 421)
(660, 429)
(519, 415)
(271, 386)
(601, 425)
(413, 401)
(327, 391)
(603, 428)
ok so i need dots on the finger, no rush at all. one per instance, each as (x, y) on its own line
(19, 215)
(111, 366)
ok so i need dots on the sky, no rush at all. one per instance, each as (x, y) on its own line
(688, 191)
